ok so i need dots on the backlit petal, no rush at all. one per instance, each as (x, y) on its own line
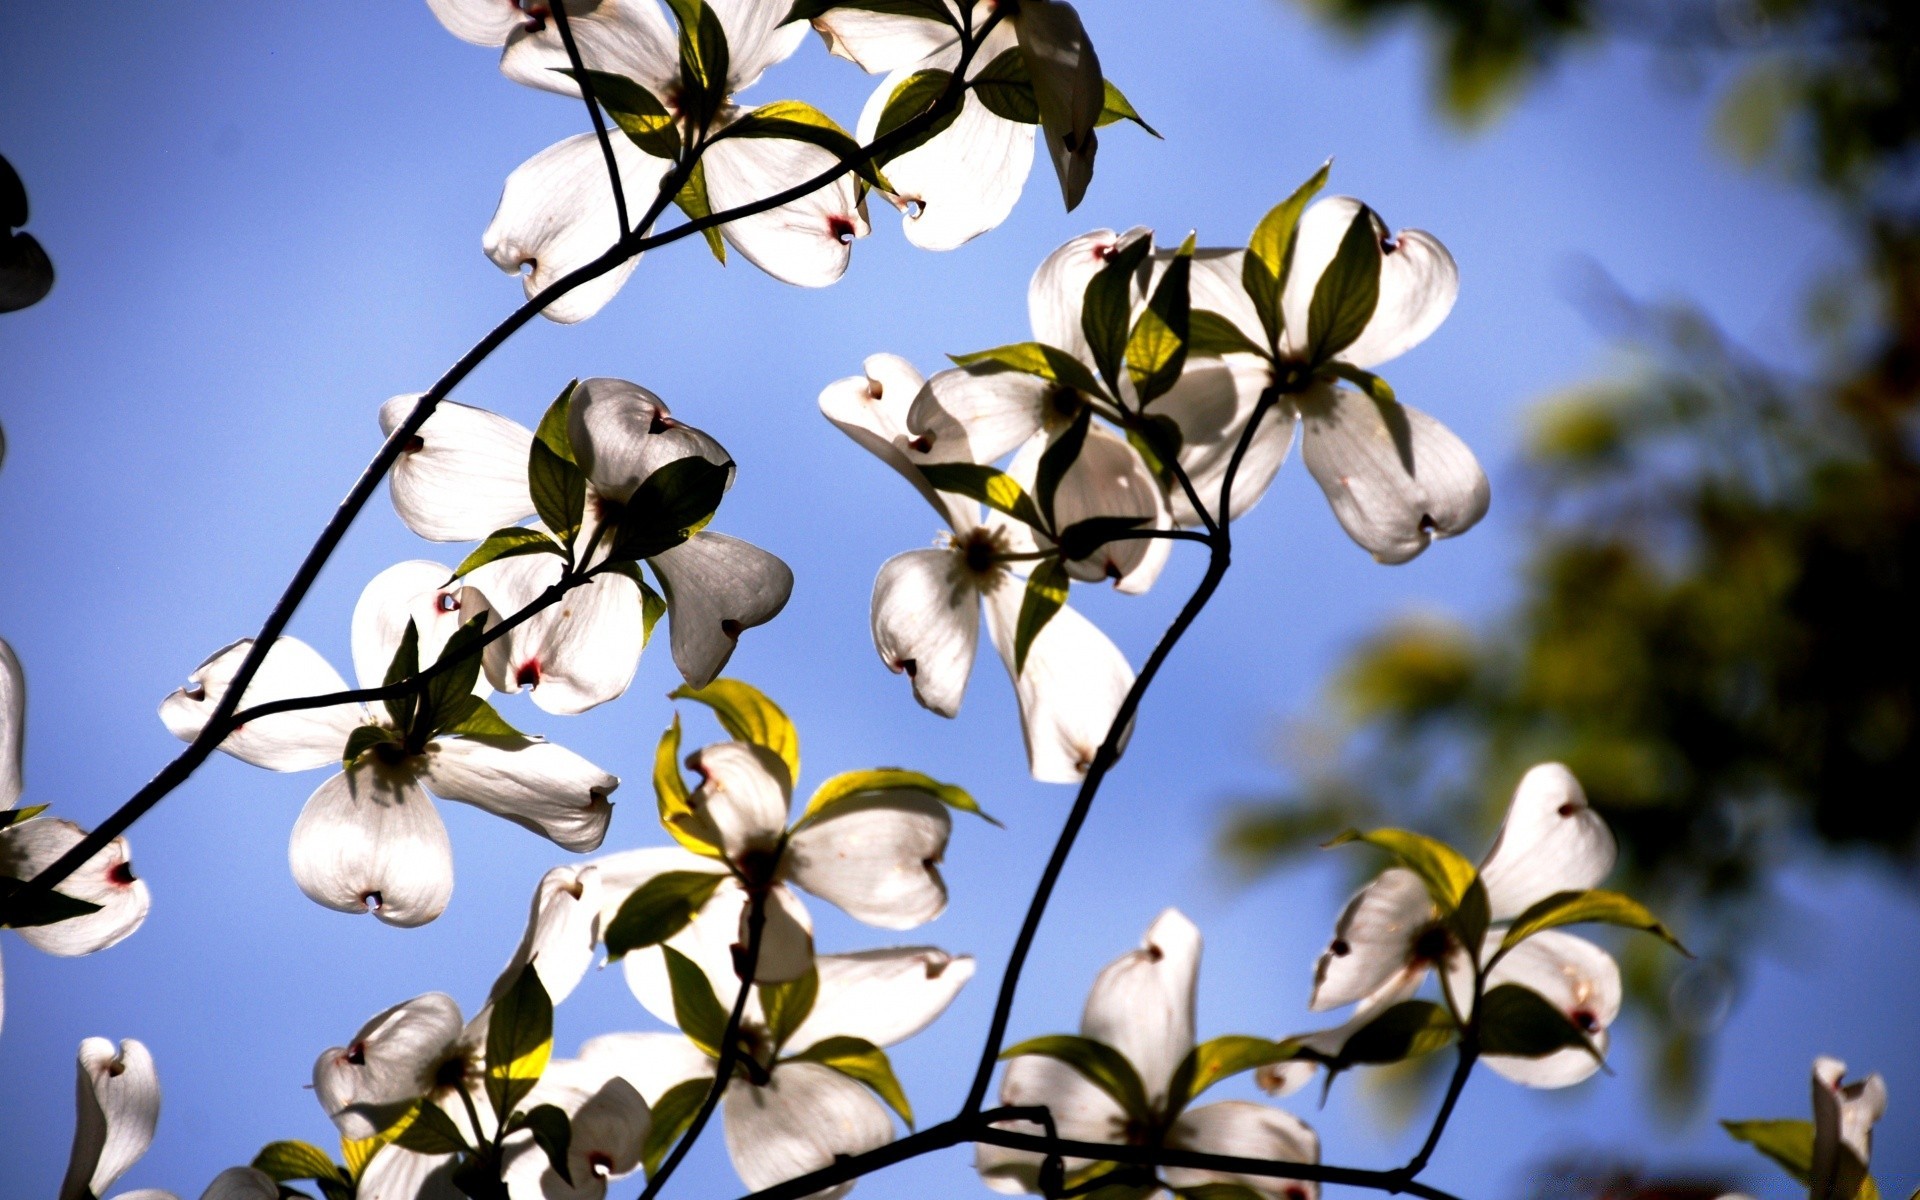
(801, 1120)
(464, 476)
(716, 588)
(576, 653)
(1071, 689)
(386, 1066)
(292, 741)
(1141, 1004)
(884, 996)
(807, 241)
(118, 1103)
(926, 622)
(1373, 941)
(1241, 1129)
(535, 784)
(417, 592)
(369, 840)
(106, 879)
(1551, 841)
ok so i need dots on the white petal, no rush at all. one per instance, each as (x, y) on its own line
(292, 741)
(1279, 1079)
(1418, 283)
(877, 856)
(652, 1062)
(1395, 477)
(1242, 1129)
(418, 592)
(872, 410)
(716, 587)
(786, 941)
(1074, 681)
(1578, 978)
(622, 433)
(708, 941)
(556, 215)
(608, 1123)
(1141, 1004)
(881, 41)
(976, 414)
(1214, 284)
(234, 1183)
(13, 725)
(963, 181)
(1844, 1115)
(1373, 940)
(807, 241)
(398, 1174)
(1059, 286)
(562, 926)
(1067, 86)
(804, 1118)
(624, 873)
(367, 1084)
(118, 1102)
(1551, 841)
(1081, 1113)
(926, 622)
(744, 795)
(1211, 404)
(757, 38)
(885, 996)
(482, 22)
(576, 653)
(536, 785)
(106, 879)
(1108, 479)
(625, 37)
(464, 476)
(369, 840)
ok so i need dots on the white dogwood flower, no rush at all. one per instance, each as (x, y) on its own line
(29, 846)
(369, 838)
(927, 603)
(1844, 1115)
(557, 210)
(118, 1105)
(1139, 1022)
(467, 476)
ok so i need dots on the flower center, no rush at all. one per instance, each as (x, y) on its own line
(1431, 945)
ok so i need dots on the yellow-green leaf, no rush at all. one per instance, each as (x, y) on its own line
(747, 715)
(848, 784)
(1269, 256)
(296, 1160)
(859, 1059)
(519, 1041)
(1593, 906)
(1446, 874)
(1221, 1058)
(671, 791)
(1096, 1062)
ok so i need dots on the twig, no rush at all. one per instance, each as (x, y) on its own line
(562, 23)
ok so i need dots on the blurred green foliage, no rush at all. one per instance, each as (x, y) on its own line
(1719, 620)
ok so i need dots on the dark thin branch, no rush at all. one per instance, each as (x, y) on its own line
(562, 23)
(1168, 535)
(220, 722)
(729, 1049)
(1469, 1052)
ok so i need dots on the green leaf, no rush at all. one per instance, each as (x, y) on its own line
(1035, 358)
(1441, 868)
(1096, 1062)
(1117, 107)
(1347, 293)
(671, 792)
(1789, 1143)
(508, 543)
(297, 1160)
(748, 716)
(1374, 386)
(449, 692)
(653, 606)
(1106, 307)
(1157, 347)
(849, 784)
(1210, 335)
(703, 60)
(1579, 908)
(673, 1112)
(1045, 595)
(1006, 90)
(1158, 440)
(1058, 459)
(559, 490)
(696, 1010)
(1521, 1022)
(1409, 1029)
(1222, 1058)
(637, 111)
(693, 201)
(405, 665)
(553, 1133)
(519, 1041)
(990, 485)
(861, 1060)
(475, 718)
(13, 816)
(365, 738)
(478, 1178)
(554, 424)
(787, 1004)
(670, 506)
(427, 1129)
(1083, 539)
(798, 121)
(913, 98)
(1270, 254)
(658, 909)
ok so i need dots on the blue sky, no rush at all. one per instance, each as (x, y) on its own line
(266, 221)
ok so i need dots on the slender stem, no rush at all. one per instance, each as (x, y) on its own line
(1169, 535)
(1469, 1052)
(473, 1119)
(220, 721)
(561, 22)
(729, 1050)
